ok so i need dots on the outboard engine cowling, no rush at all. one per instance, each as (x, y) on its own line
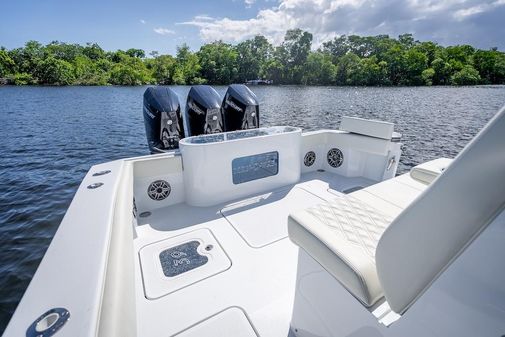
(203, 111)
(162, 118)
(240, 108)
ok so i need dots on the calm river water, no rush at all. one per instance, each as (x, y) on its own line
(51, 136)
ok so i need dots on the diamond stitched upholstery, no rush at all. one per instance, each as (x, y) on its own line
(342, 235)
(355, 221)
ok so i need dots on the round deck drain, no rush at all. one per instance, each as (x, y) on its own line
(335, 157)
(310, 158)
(159, 190)
(48, 323)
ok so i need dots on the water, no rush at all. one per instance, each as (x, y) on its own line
(51, 136)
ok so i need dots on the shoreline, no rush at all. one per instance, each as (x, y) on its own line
(251, 86)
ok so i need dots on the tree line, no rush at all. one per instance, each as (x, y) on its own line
(346, 60)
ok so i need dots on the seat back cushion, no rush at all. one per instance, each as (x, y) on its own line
(432, 231)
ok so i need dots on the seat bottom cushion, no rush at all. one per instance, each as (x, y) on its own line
(342, 235)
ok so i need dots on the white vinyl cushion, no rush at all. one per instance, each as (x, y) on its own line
(366, 127)
(429, 171)
(342, 235)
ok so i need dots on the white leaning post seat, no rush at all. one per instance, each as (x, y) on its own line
(373, 258)
(342, 234)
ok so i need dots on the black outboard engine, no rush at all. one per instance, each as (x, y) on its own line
(203, 111)
(162, 118)
(240, 108)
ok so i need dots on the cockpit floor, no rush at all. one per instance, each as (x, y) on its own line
(258, 284)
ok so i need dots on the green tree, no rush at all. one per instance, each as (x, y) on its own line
(188, 67)
(427, 76)
(28, 57)
(415, 62)
(297, 45)
(23, 79)
(6, 63)
(62, 51)
(394, 57)
(374, 72)
(349, 70)
(407, 41)
(218, 62)
(253, 56)
(337, 47)
(491, 66)
(274, 70)
(55, 72)
(88, 72)
(345, 60)
(139, 53)
(130, 71)
(429, 49)
(443, 71)
(459, 56)
(466, 76)
(163, 68)
(319, 69)
(93, 51)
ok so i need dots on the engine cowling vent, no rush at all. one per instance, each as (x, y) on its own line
(309, 159)
(159, 190)
(335, 157)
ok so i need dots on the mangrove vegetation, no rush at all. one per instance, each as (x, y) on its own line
(346, 60)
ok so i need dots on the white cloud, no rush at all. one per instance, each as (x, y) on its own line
(462, 14)
(142, 21)
(249, 3)
(427, 20)
(203, 17)
(312, 15)
(268, 22)
(163, 31)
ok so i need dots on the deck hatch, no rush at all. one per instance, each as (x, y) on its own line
(179, 261)
(182, 258)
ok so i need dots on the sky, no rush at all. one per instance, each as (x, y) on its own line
(162, 25)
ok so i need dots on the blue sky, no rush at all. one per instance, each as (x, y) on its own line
(162, 25)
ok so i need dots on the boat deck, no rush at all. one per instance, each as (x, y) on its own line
(248, 284)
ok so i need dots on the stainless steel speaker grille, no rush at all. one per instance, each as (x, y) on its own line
(159, 190)
(335, 157)
(310, 158)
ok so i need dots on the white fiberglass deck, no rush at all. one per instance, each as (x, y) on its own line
(260, 282)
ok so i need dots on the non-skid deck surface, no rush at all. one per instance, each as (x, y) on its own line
(231, 322)
(262, 220)
(259, 284)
